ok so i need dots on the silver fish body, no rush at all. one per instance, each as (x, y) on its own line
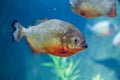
(52, 36)
(94, 8)
(103, 28)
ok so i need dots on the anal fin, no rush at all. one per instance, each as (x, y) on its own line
(33, 46)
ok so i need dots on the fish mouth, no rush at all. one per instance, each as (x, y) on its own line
(83, 45)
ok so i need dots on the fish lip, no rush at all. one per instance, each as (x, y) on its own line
(84, 45)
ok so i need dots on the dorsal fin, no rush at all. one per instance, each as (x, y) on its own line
(40, 21)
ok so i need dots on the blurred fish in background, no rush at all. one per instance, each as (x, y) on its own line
(94, 8)
(103, 28)
(116, 40)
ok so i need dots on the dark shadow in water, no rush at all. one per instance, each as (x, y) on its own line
(110, 63)
(13, 26)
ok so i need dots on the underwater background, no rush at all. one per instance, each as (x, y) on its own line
(100, 61)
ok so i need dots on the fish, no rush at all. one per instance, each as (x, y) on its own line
(103, 28)
(116, 40)
(94, 8)
(52, 36)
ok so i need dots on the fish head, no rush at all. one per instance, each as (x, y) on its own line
(116, 40)
(74, 41)
(74, 4)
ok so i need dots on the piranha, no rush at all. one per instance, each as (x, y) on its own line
(53, 36)
(116, 40)
(103, 28)
(94, 8)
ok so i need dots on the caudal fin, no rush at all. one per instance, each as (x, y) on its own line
(17, 32)
(89, 27)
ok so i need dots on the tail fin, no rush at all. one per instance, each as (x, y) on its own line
(17, 32)
(89, 27)
(119, 1)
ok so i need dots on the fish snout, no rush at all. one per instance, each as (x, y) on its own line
(84, 45)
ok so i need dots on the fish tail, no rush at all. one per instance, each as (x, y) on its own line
(18, 31)
(89, 26)
(119, 1)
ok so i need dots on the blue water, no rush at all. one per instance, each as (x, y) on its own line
(17, 62)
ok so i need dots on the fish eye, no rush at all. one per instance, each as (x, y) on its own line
(76, 40)
(70, 4)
